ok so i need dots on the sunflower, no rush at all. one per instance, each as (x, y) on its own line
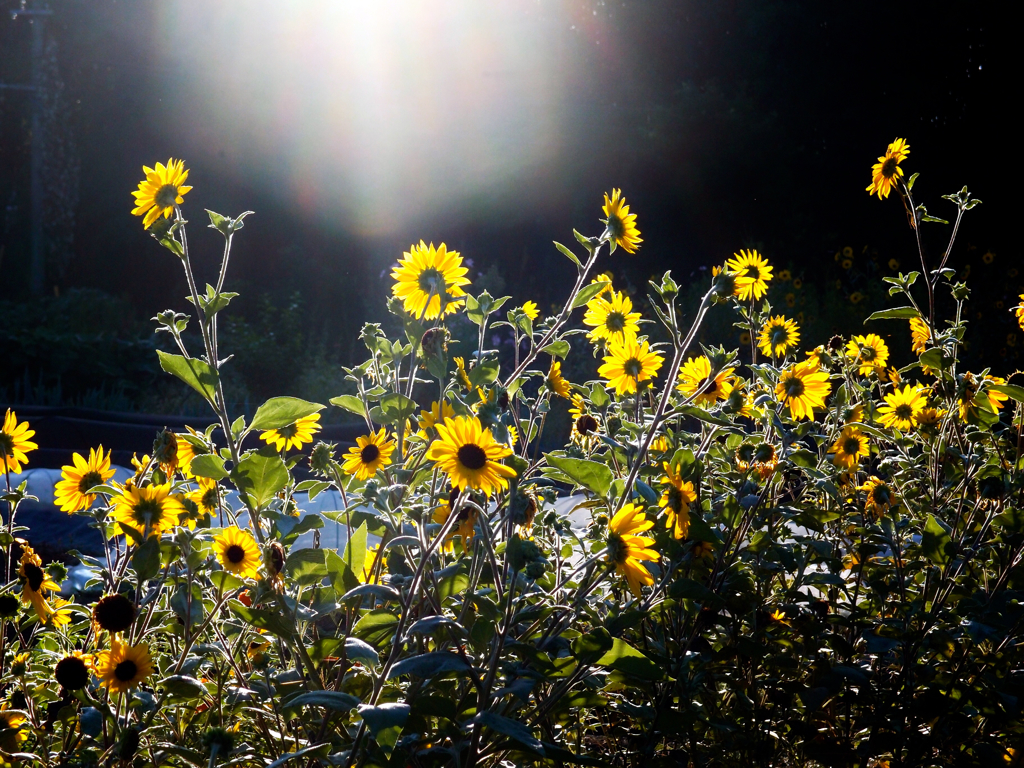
(753, 273)
(460, 373)
(695, 373)
(804, 387)
(970, 400)
(465, 527)
(188, 450)
(1019, 311)
(469, 455)
(11, 722)
(206, 497)
(295, 435)
(373, 554)
(878, 496)
(37, 583)
(764, 460)
(15, 443)
(778, 336)
(676, 501)
(621, 224)
(920, 334)
(868, 352)
(849, 447)
(72, 671)
(611, 318)
(123, 667)
(237, 552)
(113, 613)
(556, 382)
(71, 494)
(628, 364)
(928, 420)
(370, 453)
(163, 189)
(530, 309)
(439, 411)
(901, 407)
(626, 548)
(151, 510)
(429, 280)
(585, 425)
(886, 172)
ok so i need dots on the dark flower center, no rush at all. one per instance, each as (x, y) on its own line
(35, 576)
(764, 453)
(675, 499)
(369, 454)
(616, 225)
(126, 670)
(615, 321)
(711, 383)
(147, 511)
(779, 336)
(6, 444)
(277, 557)
(794, 387)
(114, 613)
(904, 411)
(632, 368)
(586, 424)
(617, 549)
(431, 281)
(89, 480)
(288, 431)
(235, 553)
(889, 167)
(166, 195)
(209, 499)
(851, 445)
(8, 605)
(753, 272)
(71, 673)
(472, 456)
(868, 353)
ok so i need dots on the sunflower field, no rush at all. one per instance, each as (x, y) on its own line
(780, 555)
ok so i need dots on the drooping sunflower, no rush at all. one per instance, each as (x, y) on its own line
(851, 444)
(627, 548)
(621, 224)
(778, 336)
(803, 387)
(71, 494)
(975, 392)
(878, 496)
(557, 383)
(868, 353)
(368, 576)
(72, 671)
(470, 455)
(676, 501)
(11, 726)
(696, 373)
(206, 497)
(460, 373)
(150, 510)
(370, 453)
(429, 281)
(765, 459)
(901, 407)
(628, 364)
(753, 273)
(886, 172)
(237, 552)
(123, 667)
(530, 309)
(295, 435)
(37, 583)
(15, 443)
(438, 413)
(920, 335)
(163, 189)
(612, 318)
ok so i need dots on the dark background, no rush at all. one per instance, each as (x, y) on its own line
(728, 125)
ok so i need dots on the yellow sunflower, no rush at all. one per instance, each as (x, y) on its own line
(975, 391)
(585, 425)
(928, 420)
(369, 563)
(428, 276)
(901, 407)
(294, 435)
(465, 527)
(1019, 311)
(530, 309)
(920, 335)
(676, 501)
(886, 172)
(469, 455)
(611, 318)
(370, 453)
(696, 373)
(626, 548)
(849, 447)
(778, 336)
(621, 224)
(753, 273)
(11, 726)
(878, 496)
(71, 494)
(188, 451)
(868, 352)
(438, 413)
(556, 382)
(123, 667)
(163, 189)
(803, 387)
(628, 364)
(37, 584)
(15, 443)
(237, 552)
(460, 373)
(151, 510)
(206, 497)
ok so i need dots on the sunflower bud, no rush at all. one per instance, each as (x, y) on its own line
(274, 560)
(434, 343)
(321, 458)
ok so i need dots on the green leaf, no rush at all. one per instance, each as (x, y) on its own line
(261, 476)
(208, 465)
(558, 348)
(314, 750)
(568, 254)
(349, 403)
(935, 541)
(270, 621)
(183, 687)
(935, 358)
(484, 372)
(376, 627)
(146, 559)
(385, 722)
(225, 224)
(280, 412)
(513, 729)
(1017, 393)
(346, 571)
(394, 407)
(429, 665)
(363, 591)
(899, 313)
(336, 700)
(588, 292)
(589, 474)
(625, 658)
(194, 372)
(699, 413)
(592, 646)
(306, 566)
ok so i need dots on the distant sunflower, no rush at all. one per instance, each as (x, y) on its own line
(557, 383)
(627, 548)
(460, 373)
(621, 224)
(37, 583)
(879, 496)
(530, 309)
(920, 335)
(696, 373)
(71, 494)
(15, 443)
(237, 552)
(429, 281)
(370, 453)
(868, 352)
(611, 318)
(886, 172)
(628, 364)
(438, 413)
(901, 408)
(778, 336)
(676, 501)
(465, 526)
(162, 190)
(470, 455)
(295, 435)
(151, 510)
(1019, 310)
(803, 387)
(123, 667)
(206, 497)
(753, 273)
(849, 447)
